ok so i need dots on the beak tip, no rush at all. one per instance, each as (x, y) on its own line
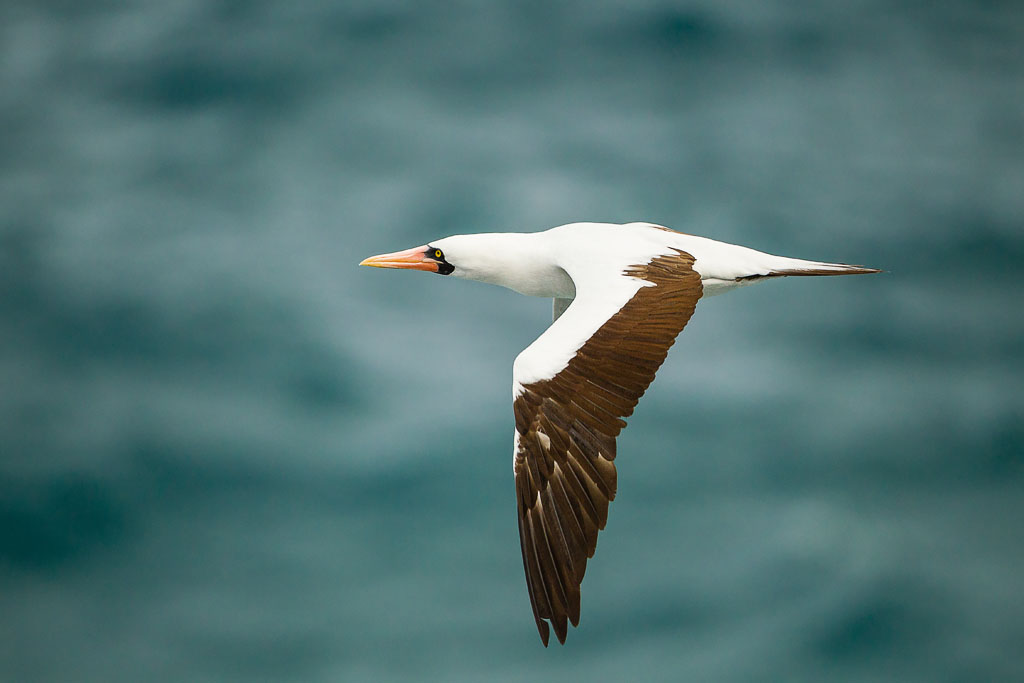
(373, 262)
(414, 259)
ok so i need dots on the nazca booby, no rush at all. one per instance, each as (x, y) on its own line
(621, 295)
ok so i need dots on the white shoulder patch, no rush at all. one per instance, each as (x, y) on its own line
(595, 256)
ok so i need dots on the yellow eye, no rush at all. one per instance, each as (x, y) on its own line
(437, 253)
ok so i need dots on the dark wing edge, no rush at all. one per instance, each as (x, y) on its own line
(565, 436)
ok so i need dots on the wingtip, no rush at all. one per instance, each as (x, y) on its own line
(561, 629)
(574, 606)
(545, 632)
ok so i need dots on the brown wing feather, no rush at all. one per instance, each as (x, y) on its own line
(564, 471)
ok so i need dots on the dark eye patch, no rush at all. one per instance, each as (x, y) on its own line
(443, 267)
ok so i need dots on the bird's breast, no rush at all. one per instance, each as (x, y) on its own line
(537, 279)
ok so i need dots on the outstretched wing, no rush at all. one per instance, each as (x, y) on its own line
(574, 386)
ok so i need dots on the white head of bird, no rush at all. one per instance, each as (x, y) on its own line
(513, 260)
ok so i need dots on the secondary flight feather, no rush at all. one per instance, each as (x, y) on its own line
(622, 293)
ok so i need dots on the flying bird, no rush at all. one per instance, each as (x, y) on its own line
(622, 293)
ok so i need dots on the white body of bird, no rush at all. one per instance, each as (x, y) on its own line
(582, 265)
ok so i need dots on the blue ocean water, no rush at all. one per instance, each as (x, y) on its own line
(229, 454)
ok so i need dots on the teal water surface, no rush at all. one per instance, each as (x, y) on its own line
(230, 454)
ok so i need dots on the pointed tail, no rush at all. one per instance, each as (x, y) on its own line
(783, 267)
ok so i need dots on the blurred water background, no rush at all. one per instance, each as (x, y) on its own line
(229, 454)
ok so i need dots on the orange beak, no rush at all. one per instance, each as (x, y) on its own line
(414, 259)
